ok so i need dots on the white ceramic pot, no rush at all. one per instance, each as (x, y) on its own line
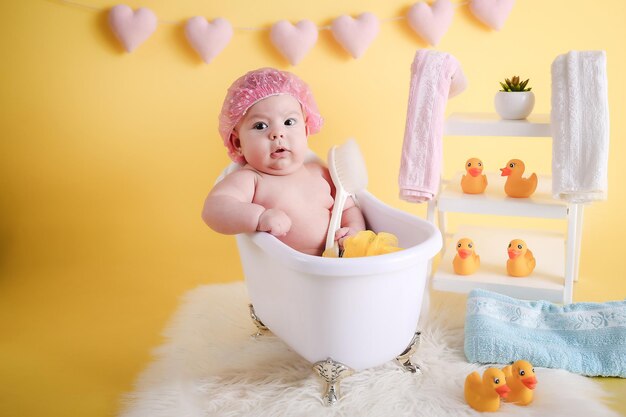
(514, 105)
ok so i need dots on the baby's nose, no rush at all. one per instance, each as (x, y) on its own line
(276, 135)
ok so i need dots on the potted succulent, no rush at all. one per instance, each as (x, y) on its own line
(515, 101)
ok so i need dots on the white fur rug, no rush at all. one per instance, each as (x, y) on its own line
(211, 366)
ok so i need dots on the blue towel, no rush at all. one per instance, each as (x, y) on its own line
(584, 338)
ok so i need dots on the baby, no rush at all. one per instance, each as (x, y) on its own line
(265, 122)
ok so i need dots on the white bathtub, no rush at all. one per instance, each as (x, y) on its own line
(358, 312)
(361, 312)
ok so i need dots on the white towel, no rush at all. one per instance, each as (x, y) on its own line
(580, 127)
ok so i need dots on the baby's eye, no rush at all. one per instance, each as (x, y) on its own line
(290, 122)
(259, 126)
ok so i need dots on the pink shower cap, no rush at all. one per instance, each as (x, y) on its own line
(255, 86)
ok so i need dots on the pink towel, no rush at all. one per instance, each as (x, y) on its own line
(435, 76)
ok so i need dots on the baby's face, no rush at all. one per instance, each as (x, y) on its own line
(272, 136)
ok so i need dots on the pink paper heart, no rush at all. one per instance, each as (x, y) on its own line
(294, 42)
(431, 22)
(132, 28)
(492, 13)
(208, 39)
(355, 35)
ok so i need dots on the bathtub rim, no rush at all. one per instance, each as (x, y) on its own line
(333, 267)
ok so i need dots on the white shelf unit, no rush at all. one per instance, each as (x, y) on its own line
(557, 254)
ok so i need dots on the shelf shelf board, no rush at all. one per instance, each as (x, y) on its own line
(490, 124)
(495, 201)
(545, 283)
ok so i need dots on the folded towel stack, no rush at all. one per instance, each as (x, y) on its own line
(584, 338)
(435, 76)
(580, 126)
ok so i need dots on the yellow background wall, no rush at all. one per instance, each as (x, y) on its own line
(106, 158)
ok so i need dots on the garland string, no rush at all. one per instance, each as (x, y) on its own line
(173, 22)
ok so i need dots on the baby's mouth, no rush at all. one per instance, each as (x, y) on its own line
(279, 152)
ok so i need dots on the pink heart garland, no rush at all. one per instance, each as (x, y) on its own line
(431, 22)
(294, 42)
(132, 28)
(492, 13)
(355, 35)
(208, 39)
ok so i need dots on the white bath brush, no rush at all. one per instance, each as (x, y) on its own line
(349, 174)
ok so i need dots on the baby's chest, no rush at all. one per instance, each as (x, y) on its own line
(291, 192)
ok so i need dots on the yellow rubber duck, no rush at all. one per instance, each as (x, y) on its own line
(474, 182)
(516, 186)
(466, 261)
(520, 377)
(484, 394)
(521, 261)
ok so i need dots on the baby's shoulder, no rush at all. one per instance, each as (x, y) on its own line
(242, 177)
(316, 168)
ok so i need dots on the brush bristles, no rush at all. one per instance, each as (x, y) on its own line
(350, 167)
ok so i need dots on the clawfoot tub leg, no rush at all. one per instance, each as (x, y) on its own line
(332, 373)
(404, 359)
(261, 328)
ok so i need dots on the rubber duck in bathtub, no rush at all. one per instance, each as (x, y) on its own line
(278, 188)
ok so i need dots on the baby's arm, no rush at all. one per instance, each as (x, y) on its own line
(229, 208)
(352, 221)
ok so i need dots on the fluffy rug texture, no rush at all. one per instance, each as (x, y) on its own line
(211, 366)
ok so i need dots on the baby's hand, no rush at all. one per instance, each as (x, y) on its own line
(275, 222)
(342, 233)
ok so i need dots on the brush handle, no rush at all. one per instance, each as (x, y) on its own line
(335, 218)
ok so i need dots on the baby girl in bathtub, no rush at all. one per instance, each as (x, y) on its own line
(265, 122)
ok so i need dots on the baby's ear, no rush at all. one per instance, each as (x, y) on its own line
(306, 129)
(234, 140)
